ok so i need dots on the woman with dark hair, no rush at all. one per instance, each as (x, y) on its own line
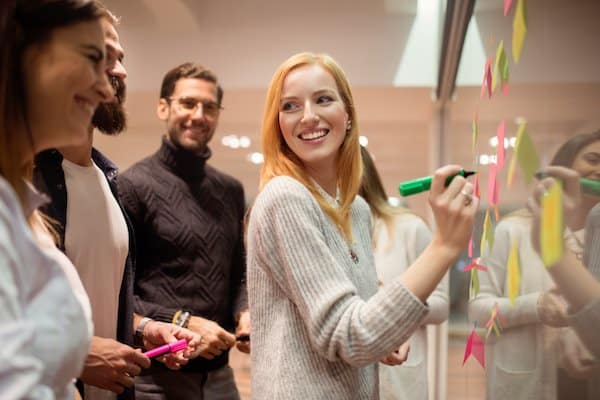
(51, 81)
(399, 236)
(522, 362)
(319, 323)
(578, 286)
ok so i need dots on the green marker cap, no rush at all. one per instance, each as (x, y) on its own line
(590, 186)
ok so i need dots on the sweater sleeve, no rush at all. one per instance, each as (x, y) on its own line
(238, 270)
(586, 322)
(592, 242)
(438, 301)
(135, 209)
(289, 235)
(492, 283)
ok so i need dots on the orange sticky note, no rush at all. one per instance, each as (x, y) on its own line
(519, 30)
(476, 186)
(551, 225)
(476, 348)
(495, 323)
(513, 273)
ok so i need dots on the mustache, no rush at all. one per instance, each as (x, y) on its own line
(110, 118)
(118, 84)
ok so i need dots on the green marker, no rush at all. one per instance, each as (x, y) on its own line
(423, 184)
(588, 186)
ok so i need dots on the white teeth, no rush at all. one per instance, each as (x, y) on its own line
(87, 106)
(313, 135)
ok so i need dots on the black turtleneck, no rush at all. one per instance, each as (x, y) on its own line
(188, 222)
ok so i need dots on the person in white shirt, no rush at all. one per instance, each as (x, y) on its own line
(399, 236)
(95, 235)
(51, 80)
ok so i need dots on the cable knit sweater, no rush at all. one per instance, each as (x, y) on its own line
(319, 325)
(187, 218)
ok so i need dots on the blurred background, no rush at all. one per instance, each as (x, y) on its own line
(416, 67)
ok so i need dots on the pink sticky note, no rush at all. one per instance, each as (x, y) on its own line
(487, 79)
(505, 88)
(507, 5)
(500, 147)
(476, 348)
(475, 264)
(492, 186)
(470, 248)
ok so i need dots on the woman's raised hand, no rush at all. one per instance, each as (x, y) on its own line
(454, 209)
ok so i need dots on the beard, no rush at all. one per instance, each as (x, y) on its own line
(110, 118)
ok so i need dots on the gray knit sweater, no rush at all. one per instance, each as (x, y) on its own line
(319, 325)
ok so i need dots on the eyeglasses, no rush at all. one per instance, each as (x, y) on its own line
(190, 105)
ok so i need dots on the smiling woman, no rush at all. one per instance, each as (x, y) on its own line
(319, 323)
(51, 80)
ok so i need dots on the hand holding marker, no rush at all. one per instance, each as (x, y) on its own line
(588, 186)
(167, 348)
(423, 184)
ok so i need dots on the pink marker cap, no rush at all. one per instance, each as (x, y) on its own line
(167, 348)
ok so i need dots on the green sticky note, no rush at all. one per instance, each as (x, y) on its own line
(526, 154)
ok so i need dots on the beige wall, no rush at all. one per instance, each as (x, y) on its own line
(399, 124)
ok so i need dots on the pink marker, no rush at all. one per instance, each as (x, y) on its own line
(167, 348)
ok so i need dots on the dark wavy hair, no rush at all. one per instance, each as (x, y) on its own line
(24, 23)
(565, 155)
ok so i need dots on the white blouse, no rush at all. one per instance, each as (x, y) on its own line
(44, 331)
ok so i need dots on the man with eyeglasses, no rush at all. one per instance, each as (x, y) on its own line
(188, 219)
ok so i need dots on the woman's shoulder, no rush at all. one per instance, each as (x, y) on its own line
(9, 203)
(283, 192)
(516, 220)
(283, 187)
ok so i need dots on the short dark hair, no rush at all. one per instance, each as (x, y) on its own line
(565, 155)
(188, 70)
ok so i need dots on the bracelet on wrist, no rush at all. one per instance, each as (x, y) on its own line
(138, 338)
(182, 318)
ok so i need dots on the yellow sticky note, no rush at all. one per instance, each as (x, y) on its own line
(513, 273)
(500, 66)
(551, 225)
(474, 284)
(512, 167)
(526, 154)
(519, 30)
(487, 237)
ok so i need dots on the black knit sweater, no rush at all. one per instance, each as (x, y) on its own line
(188, 222)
